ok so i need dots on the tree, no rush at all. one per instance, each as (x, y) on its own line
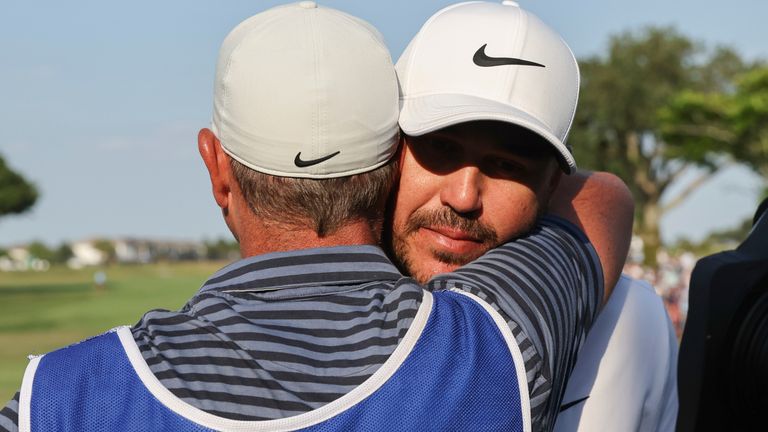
(39, 250)
(734, 122)
(716, 241)
(107, 248)
(749, 119)
(63, 253)
(221, 249)
(16, 194)
(58, 255)
(618, 126)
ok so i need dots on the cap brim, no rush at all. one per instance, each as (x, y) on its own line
(423, 114)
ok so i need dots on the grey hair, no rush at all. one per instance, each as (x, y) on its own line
(325, 205)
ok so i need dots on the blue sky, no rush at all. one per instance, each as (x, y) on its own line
(102, 101)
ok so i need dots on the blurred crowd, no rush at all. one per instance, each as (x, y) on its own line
(670, 279)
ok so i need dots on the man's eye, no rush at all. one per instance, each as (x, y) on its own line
(503, 168)
(504, 165)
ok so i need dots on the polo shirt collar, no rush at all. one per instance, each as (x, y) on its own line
(332, 266)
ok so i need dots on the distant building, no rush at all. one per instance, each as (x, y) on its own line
(96, 252)
(18, 258)
(177, 250)
(133, 251)
(141, 251)
(85, 254)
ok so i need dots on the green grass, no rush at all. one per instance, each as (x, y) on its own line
(40, 312)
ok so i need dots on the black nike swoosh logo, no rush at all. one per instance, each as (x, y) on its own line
(572, 403)
(303, 164)
(481, 59)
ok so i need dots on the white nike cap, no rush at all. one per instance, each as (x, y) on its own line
(306, 91)
(490, 61)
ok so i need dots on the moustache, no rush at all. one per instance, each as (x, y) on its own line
(447, 217)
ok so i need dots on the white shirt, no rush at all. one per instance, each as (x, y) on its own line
(627, 367)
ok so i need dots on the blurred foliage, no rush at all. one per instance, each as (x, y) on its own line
(16, 194)
(656, 106)
(57, 255)
(222, 249)
(62, 254)
(107, 248)
(716, 241)
(733, 122)
(39, 250)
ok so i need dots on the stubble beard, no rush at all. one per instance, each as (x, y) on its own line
(442, 217)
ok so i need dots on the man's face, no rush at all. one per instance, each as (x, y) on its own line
(466, 189)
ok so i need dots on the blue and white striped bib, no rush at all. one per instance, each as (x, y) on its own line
(457, 368)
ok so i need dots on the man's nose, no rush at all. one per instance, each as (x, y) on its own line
(462, 190)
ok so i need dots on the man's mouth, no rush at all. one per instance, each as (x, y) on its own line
(451, 240)
(445, 236)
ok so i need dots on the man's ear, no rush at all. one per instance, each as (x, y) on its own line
(217, 163)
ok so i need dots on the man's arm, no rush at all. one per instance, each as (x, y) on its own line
(548, 283)
(601, 205)
(9, 416)
(548, 286)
